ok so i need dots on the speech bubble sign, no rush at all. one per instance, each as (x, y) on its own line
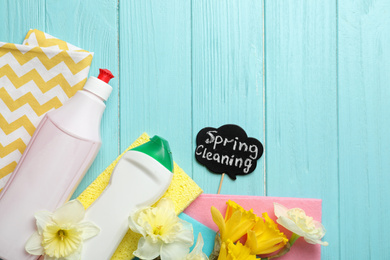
(227, 149)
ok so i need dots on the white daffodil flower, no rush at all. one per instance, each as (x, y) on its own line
(61, 234)
(163, 233)
(197, 253)
(297, 222)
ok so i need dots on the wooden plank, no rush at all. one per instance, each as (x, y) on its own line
(17, 17)
(92, 25)
(227, 74)
(364, 62)
(301, 105)
(155, 74)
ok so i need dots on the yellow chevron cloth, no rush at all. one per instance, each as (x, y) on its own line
(35, 77)
(183, 191)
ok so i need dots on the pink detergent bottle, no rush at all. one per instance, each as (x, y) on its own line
(57, 157)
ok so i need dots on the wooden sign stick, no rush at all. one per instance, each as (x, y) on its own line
(220, 183)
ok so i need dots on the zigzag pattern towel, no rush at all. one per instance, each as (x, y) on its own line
(35, 77)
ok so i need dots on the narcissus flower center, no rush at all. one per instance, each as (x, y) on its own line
(163, 233)
(60, 241)
(61, 233)
(162, 226)
(158, 230)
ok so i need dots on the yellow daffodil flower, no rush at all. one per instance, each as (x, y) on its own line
(231, 251)
(163, 233)
(297, 222)
(61, 234)
(265, 237)
(236, 223)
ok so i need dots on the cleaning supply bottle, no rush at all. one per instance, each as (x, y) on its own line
(140, 178)
(58, 155)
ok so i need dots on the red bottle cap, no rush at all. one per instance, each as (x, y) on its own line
(105, 75)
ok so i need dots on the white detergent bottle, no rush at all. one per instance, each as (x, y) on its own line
(57, 157)
(139, 179)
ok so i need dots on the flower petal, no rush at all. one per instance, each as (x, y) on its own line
(50, 258)
(166, 203)
(316, 237)
(218, 219)
(238, 251)
(280, 210)
(146, 249)
(75, 256)
(34, 244)
(186, 235)
(174, 251)
(316, 241)
(132, 221)
(290, 225)
(197, 251)
(42, 219)
(251, 240)
(223, 252)
(238, 224)
(71, 212)
(299, 223)
(88, 229)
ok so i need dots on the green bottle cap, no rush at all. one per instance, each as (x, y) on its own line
(158, 148)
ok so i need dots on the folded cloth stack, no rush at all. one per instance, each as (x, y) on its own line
(35, 77)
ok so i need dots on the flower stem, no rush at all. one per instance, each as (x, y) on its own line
(293, 238)
(217, 248)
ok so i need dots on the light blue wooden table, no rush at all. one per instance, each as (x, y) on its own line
(309, 78)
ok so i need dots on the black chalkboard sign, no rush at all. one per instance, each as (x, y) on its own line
(228, 150)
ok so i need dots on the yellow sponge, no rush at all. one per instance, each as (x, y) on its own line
(183, 190)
